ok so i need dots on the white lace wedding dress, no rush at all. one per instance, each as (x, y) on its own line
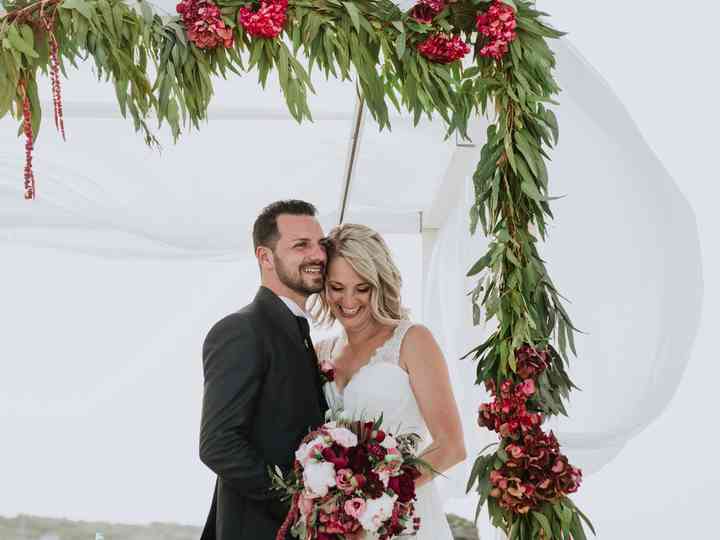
(383, 387)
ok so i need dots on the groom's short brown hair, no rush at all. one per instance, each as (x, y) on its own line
(265, 229)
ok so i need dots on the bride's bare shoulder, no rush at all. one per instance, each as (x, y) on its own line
(419, 343)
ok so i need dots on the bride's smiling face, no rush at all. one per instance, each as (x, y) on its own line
(347, 294)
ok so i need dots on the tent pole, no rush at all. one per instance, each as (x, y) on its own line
(358, 120)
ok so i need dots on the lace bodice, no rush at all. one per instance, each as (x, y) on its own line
(379, 387)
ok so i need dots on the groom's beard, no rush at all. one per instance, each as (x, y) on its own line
(297, 280)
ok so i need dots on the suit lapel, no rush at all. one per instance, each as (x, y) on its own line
(284, 320)
(281, 317)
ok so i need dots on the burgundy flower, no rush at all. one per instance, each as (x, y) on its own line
(377, 451)
(404, 485)
(426, 10)
(536, 471)
(358, 457)
(443, 49)
(266, 21)
(337, 455)
(374, 487)
(530, 361)
(204, 25)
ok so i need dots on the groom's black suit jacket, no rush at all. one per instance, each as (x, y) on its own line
(262, 395)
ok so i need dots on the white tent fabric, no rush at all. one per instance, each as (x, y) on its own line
(116, 271)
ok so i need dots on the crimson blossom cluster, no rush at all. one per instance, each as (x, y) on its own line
(533, 470)
(266, 19)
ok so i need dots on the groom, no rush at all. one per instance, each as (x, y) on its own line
(262, 389)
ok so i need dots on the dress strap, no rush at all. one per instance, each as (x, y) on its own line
(393, 346)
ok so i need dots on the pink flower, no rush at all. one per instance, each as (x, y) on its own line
(344, 437)
(528, 387)
(355, 507)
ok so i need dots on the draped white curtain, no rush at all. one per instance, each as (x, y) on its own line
(623, 248)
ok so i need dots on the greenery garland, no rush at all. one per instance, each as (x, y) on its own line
(163, 67)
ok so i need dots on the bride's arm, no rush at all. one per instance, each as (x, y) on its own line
(420, 355)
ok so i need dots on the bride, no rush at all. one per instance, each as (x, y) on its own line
(385, 364)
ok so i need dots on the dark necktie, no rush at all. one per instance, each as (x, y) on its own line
(307, 340)
(305, 333)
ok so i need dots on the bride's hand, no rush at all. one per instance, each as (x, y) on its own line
(421, 357)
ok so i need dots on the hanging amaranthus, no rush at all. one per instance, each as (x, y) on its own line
(29, 139)
(48, 23)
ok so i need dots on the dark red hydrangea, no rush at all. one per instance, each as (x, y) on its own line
(530, 361)
(535, 471)
(204, 25)
(498, 24)
(426, 10)
(443, 49)
(266, 20)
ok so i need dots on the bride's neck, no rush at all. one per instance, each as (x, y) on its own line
(364, 333)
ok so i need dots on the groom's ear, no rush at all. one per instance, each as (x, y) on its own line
(264, 256)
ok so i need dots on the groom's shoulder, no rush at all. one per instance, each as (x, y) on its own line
(234, 325)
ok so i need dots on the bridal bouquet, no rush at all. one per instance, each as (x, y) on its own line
(351, 480)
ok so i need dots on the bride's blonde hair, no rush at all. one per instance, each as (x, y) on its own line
(368, 254)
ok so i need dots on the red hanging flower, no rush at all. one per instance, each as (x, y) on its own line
(267, 21)
(204, 24)
(497, 23)
(426, 10)
(443, 49)
(29, 140)
(55, 74)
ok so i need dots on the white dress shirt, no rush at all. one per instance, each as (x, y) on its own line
(293, 307)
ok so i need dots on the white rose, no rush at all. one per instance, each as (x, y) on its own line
(307, 450)
(318, 477)
(376, 512)
(344, 437)
(389, 442)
